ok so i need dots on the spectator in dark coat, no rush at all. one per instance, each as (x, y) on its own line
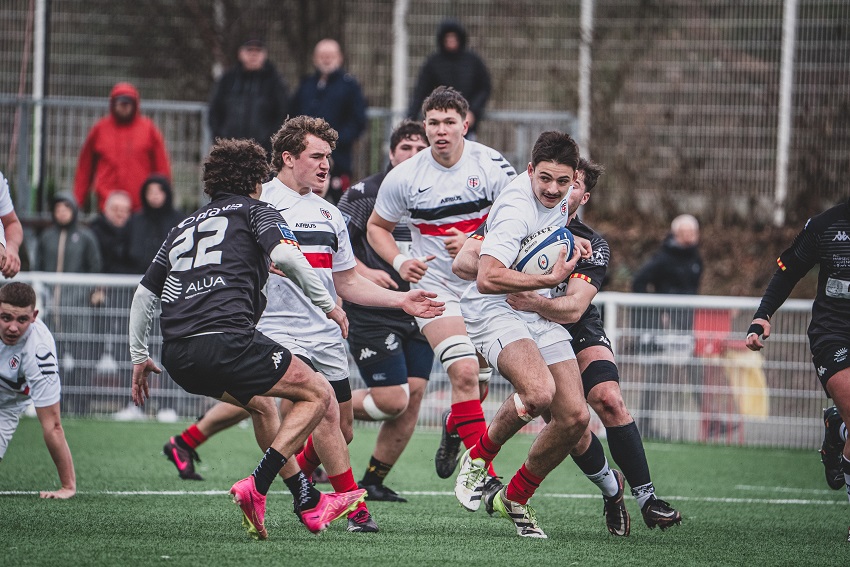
(149, 228)
(113, 234)
(453, 65)
(251, 99)
(677, 266)
(336, 96)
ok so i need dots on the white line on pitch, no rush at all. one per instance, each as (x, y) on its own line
(783, 489)
(775, 501)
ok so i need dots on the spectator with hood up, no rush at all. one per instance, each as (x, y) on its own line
(453, 65)
(120, 151)
(149, 228)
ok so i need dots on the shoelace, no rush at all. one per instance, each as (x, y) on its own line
(474, 477)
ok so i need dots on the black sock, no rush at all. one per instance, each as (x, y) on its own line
(178, 440)
(305, 494)
(267, 470)
(593, 460)
(627, 451)
(375, 473)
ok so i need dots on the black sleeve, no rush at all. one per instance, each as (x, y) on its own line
(269, 227)
(794, 263)
(593, 269)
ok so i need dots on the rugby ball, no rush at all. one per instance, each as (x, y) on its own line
(539, 250)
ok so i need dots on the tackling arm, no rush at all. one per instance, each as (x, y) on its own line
(57, 445)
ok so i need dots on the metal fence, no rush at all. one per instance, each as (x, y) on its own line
(187, 137)
(685, 375)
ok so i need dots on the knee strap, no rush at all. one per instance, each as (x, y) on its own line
(372, 409)
(454, 348)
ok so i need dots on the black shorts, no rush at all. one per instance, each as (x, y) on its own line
(587, 333)
(388, 350)
(243, 365)
(830, 355)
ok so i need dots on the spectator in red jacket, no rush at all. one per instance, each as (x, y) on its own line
(121, 151)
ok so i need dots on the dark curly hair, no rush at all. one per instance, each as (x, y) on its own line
(405, 130)
(592, 171)
(292, 137)
(446, 98)
(235, 166)
(555, 146)
(17, 294)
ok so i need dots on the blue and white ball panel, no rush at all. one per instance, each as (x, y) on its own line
(541, 249)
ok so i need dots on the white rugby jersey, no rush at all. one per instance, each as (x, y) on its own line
(515, 215)
(323, 238)
(30, 368)
(435, 199)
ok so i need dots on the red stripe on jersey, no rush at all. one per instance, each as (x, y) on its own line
(781, 265)
(467, 225)
(320, 259)
(581, 277)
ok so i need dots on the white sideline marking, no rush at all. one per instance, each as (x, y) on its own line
(775, 501)
(783, 489)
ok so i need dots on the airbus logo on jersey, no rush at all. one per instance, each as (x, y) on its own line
(277, 358)
(326, 213)
(391, 342)
(15, 362)
(451, 199)
(840, 355)
(366, 353)
(204, 285)
(473, 181)
(841, 237)
(305, 225)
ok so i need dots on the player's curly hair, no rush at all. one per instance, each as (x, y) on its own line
(592, 171)
(17, 294)
(555, 146)
(405, 130)
(445, 98)
(292, 137)
(235, 166)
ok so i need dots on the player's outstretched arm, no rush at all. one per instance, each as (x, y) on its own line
(57, 445)
(379, 233)
(564, 309)
(141, 315)
(353, 287)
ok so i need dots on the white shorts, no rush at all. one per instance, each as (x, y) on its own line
(12, 405)
(447, 295)
(500, 327)
(328, 358)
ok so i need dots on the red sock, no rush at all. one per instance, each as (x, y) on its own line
(485, 449)
(193, 436)
(345, 483)
(308, 459)
(468, 419)
(523, 485)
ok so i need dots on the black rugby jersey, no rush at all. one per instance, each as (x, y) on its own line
(356, 206)
(824, 241)
(210, 270)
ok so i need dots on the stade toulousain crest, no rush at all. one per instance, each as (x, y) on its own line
(326, 213)
(14, 362)
(473, 181)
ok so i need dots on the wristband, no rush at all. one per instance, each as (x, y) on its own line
(399, 260)
(755, 328)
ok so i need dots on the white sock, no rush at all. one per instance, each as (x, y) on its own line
(605, 480)
(846, 466)
(643, 493)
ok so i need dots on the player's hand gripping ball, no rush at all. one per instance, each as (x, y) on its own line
(539, 251)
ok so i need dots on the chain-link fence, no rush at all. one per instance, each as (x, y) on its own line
(684, 104)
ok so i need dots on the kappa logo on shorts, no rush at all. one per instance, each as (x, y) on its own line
(605, 341)
(821, 370)
(277, 358)
(841, 354)
(366, 353)
(391, 342)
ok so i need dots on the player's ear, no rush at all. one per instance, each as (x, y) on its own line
(530, 169)
(34, 314)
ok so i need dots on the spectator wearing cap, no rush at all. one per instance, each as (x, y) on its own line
(120, 151)
(336, 96)
(251, 99)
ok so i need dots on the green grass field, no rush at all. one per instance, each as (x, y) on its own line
(740, 507)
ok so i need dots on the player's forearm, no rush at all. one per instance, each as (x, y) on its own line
(141, 315)
(353, 287)
(292, 262)
(381, 240)
(499, 280)
(14, 233)
(778, 290)
(562, 310)
(57, 445)
(465, 264)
